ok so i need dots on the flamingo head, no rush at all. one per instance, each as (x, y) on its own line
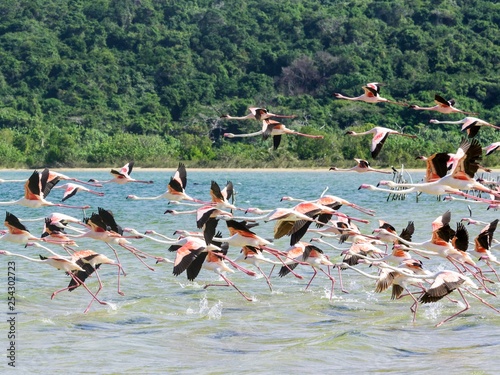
(229, 135)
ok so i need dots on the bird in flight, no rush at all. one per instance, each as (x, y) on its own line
(371, 95)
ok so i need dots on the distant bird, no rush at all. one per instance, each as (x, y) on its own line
(491, 148)
(257, 114)
(36, 188)
(70, 190)
(371, 95)
(442, 106)
(361, 167)
(471, 125)
(121, 176)
(380, 135)
(275, 129)
(175, 188)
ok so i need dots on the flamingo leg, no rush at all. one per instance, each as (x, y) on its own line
(467, 307)
(331, 279)
(228, 283)
(265, 277)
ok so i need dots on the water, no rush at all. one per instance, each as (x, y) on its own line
(165, 324)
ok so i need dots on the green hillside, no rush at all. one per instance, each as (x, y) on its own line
(100, 82)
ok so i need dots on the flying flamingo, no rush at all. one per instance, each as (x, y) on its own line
(334, 202)
(63, 177)
(275, 129)
(175, 188)
(482, 245)
(103, 227)
(471, 125)
(462, 172)
(257, 114)
(70, 190)
(89, 261)
(216, 264)
(380, 135)
(222, 197)
(445, 282)
(360, 167)
(36, 188)
(60, 263)
(255, 257)
(491, 148)
(121, 176)
(17, 232)
(371, 95)
(311, 255)
(399, 280)
(437, 165)
(442, 106)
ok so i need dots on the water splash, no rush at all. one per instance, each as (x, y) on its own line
(214, 312)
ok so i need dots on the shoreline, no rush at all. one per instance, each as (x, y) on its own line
(101, 169)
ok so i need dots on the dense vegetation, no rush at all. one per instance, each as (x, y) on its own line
(101, 82)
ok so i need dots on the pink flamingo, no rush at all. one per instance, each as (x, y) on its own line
(380, 135)
(371, 95)
(442, 106)
(257, 114)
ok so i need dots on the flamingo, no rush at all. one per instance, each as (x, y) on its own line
(63, 177)
(175, 188)
(121, 176)
(313, 256)
(491, 148)
(255, 257)
(471, 125)
(442, 106)
(215, 263)
(437, 165)
(380, 135)
(257, 114)
(371, 95)
(221, 197)
(482, 245)
(334, 202)
(445, 282)
(398, 279)
(60, 263)
(465, 167)
(275, 129)
(103, 227)
(16, 231)
(361, 166)
(36, 188)
(70, 190)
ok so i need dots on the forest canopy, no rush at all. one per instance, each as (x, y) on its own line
(101, 82)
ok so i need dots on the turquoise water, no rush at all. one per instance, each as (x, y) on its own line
(165, 324)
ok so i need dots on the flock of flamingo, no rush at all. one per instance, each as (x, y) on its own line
(392, 261)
